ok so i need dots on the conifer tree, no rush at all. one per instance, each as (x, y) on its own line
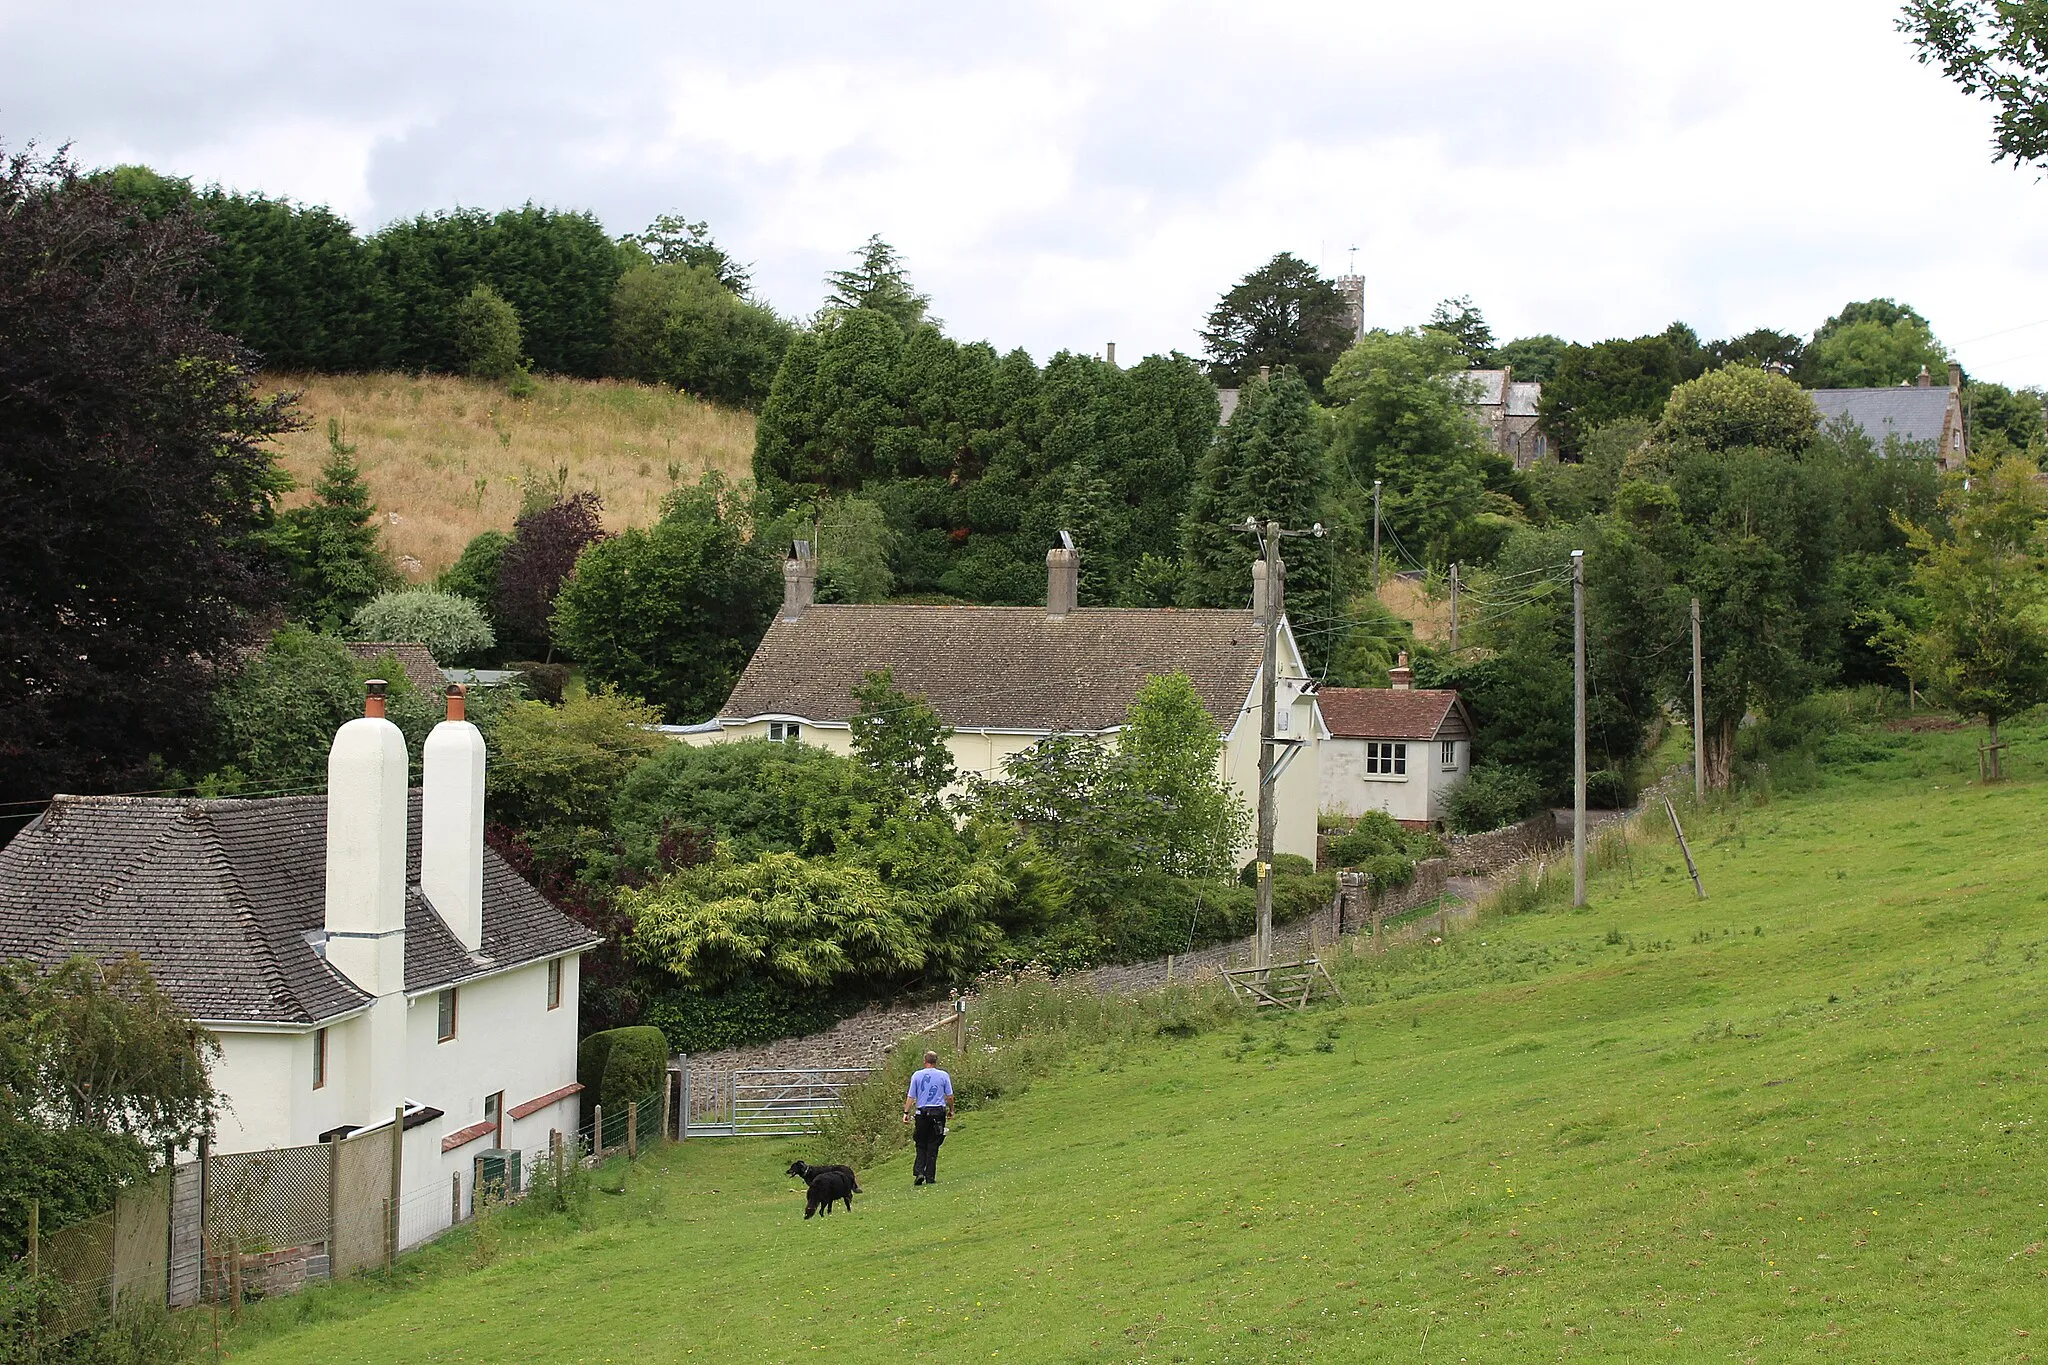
(330, 545)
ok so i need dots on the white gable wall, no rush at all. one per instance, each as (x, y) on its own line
(1418, 798)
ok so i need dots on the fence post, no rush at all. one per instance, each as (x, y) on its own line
(555, 1152)
(454, 1198)
(597, 1131)
(960, 1026)
(390, 1214)
(632, 1130)
(333, 1199)
(396, 1197)
(665, 1107)
(683, 1123)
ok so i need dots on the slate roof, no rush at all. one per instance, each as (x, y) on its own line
(1011, 668)
(1905, 410)
(1394, 713)
(220, 897)
(417, 660)
(1524, 396)
(1482, 387)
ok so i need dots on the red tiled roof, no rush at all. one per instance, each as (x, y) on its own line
(534, 1106)
(464, 1136)
(1392, 713)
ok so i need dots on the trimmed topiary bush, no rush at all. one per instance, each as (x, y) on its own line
(1284, 865)
(620, 1065)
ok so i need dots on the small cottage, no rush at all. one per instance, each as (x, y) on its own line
(1399, 749)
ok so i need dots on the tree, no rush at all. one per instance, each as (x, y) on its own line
(1533, 358)
(330, 544)
(1983, 648)
(1762, 347)
(1192, 822)
(672, 239)
(136, 490)
(1282, 314)
(1465, 327)
(1739, 406)
(678, 324)
(474, 574)
(900, 744)
(1269, 464)
(879, 284)
(672, 613)
(486, 335)
(557, 769)
(100, 1070)
(546, 541)
(2015, 417)
(1401, 418)
(1996, 50)
(1871, 345)
(1598, 384)
(453, 627)
(752, 796)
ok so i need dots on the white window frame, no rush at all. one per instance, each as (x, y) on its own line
(554, 983)
(785, 731)
(447, 1017)
(1386, 760)
(1450, 759)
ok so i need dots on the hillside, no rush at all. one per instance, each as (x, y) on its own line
(1800, 1120)
(447, 457)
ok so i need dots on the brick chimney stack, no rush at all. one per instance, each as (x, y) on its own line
(1926, 380)
(1401, 677)
(1062, 578)
(1955, 377)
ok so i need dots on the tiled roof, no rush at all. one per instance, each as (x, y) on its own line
(1009, 668)
(1905, 410)
(1481, 387)
(1525, 396)
(1393, 713)
(220, 897)
(417, 660)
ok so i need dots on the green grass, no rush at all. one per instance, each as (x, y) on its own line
(1800, 1120)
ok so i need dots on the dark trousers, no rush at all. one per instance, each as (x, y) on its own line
(929, 1133)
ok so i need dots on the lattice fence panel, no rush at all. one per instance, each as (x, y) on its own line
(268, 1200)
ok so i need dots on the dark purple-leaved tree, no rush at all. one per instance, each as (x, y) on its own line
(545, 543)
(136, 488)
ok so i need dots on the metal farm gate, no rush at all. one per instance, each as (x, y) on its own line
(786, 1100)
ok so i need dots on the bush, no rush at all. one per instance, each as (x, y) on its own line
(453, 627)
(543, 682)
(1376, 832)
(487, 338)
(694, 1021)
(1609, 790)
(1284, 865)
(620, 1065)
(1384, 871)
(1492, 798)
(474, 574)
(1296, 896)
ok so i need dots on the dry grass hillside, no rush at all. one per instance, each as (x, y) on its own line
(446, 457)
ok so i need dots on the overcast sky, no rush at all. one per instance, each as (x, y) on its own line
(1065, 174)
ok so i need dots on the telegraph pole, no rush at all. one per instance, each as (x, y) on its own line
(1269, 682)
(1375, 537)
(1699, 722)
(1578, 728)
(1454, 607)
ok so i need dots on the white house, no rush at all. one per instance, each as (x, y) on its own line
(1399, 749)
(1004, 678)
(353, 953)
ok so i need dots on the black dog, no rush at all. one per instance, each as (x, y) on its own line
(825, 1185)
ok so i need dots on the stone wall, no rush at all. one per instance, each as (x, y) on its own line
(1483, 855)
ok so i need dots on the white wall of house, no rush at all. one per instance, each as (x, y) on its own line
(1297, 793)
(1416, 797)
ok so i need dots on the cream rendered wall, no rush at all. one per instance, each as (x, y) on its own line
(257, 1075)
(976, 753)
(1420, 796)
(1297, 794)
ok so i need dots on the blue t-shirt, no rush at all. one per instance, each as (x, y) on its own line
(930, 1087)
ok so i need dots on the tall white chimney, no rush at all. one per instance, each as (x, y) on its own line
(452, 823)
(365, 903)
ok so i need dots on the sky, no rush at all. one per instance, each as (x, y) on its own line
(1059, 175)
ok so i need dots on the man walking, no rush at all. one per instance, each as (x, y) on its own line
(931, 1100)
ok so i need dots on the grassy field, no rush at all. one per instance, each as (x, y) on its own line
(447, 457)
(1801, 1120)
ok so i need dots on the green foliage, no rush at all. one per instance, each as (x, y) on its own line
(1868, 353)
(1459, 322)
(755, 796)
(699, 1021)
(1997, 52)
(295, 283)
(99, 1070)
(1492, 797)
(452, 626)
(880, 285)
(1999, 414)
(1189, 822)
(1375, 833)
(1282, 314)
(1284, 865)
(474, 574)
(560, 766)
(485, 334)
(679, 325)
(1533, 358)
(330, 545)
(1983, 648)
(272, 720)
(671, 612)
(899, 743)
(1738, 406)
(1401, 418)
(1603, 383)
(672, 239)
(622, 1065)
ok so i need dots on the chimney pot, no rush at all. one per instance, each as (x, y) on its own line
(1110, 352)
(1925, 380)
(373, 698)
(1265, 371)
(458, 701)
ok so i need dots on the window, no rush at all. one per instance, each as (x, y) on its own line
(319, 1057)
(447, 1014)
(554, 983)
(1385, 758)
(784, 730)
(1450, 753)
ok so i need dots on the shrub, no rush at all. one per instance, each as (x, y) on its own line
(1384, 871)
(487, 336)
(474, 574)
(453, 627)
(697, 1021)
(1491, 798)
(620, 1065)
(1608, 789)
(1376, 832)
(543, 682)
(1284, 865)
(1297, 895)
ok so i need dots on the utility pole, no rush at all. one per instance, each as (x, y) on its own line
(1699, 722)
(1578, 728)
(1274, 604)
(1375, 537)
(1454, 606)
(1276, 591)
